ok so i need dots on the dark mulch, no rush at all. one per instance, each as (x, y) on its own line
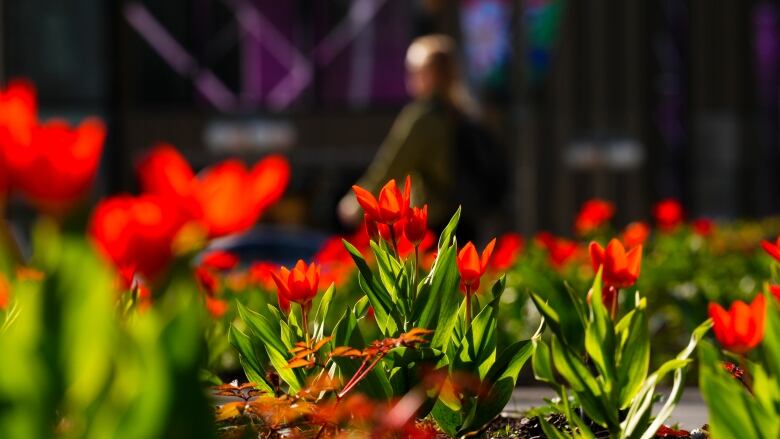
(507, 427)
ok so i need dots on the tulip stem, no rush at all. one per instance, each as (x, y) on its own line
(746, 378)
(305, 322)
(468, 306)
(414, 271)
(393, 241)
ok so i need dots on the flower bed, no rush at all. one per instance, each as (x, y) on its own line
(125, 325)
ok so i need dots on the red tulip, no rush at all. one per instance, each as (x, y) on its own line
(207, 280)
(703, 226)
(18, 116)
(472, 266)
(392, 204)
(593, 214)
(219, 260)
(508, 247)
(56, 168)
(136, 233)
(226, 198)
(559, 250)
(298, 285)
(261, 274)
(620, 269)
(216, 307)
(775, 290)
(416, 224)
(635, 234)
(668, 214)
(741, 328)
(406, 247)
(772, 249)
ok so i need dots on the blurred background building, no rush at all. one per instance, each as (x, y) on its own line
(631, 101)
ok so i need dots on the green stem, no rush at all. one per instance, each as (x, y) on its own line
(468, 305)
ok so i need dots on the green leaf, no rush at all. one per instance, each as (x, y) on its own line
(738, 414)
(600, 337)
(392, 276)
(586, 388)
(449, 231)
(633, 353)
(437, 304)
(268, 333)
(321, 315)
(542, 362)
(376, 384)
(478, 347)
(384, 309)
(503, 376)
(640, 410)
(250, 361)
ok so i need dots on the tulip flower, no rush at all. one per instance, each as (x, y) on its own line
(741, 328)
(559, 250)
(703, 226)
(416, 224)
(219, 260)
(668, 214)
(773, 249)
(207, 280)
(635, 234)
(392, 204)
(618, 270)
(216, 307)
(56, 167)
(226, 198)
(18, 116)
(299, 285)
(471, 266)
(508, 247)
(593, 215)
(136, 233)
(775, 290)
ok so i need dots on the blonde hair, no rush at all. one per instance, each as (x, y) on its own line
(439, 53)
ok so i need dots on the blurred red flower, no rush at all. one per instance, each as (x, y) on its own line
(52, 164)
(772, 249)
(392, 204)
(57, 167)
(260, 274)
(207, 280)
(299, 285)
(136, 233)
(741, 328)
(703, 226)
(472, 265)
(216, 307)
(226, 198)
(559, 250)
(620, 268)
(593, 215)
(668, 214)
(775, 290)
(18, 116)
(508, 248)
(219, 260)
(635, 234)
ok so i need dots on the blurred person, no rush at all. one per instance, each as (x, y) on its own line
(439, 140)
